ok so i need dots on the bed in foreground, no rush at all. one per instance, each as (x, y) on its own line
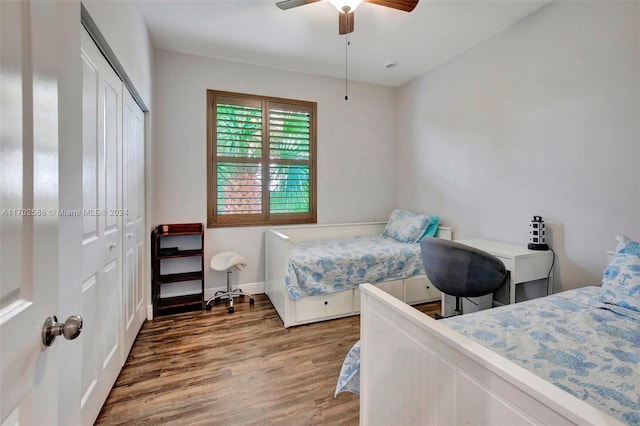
(564, 359)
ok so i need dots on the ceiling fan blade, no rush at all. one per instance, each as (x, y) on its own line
(288, 4)
(404, 5)
(345, 23)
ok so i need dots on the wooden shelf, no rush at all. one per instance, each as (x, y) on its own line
(177, 229)
(169, 305)
(176, 234)
(177, 304)
(184, 276)
(180, 253)
(177, 301)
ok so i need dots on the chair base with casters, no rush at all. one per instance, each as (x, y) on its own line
(457, 311)
(224, 261)
(461, 271)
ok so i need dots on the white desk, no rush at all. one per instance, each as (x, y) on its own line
(523, 264)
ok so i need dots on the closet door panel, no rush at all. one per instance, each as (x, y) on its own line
(133, 210)
(102, 227)
(112, 134)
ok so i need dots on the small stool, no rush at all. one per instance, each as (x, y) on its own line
(224, 261)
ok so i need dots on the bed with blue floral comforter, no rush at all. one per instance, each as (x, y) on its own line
(332, 265)
(572, 339)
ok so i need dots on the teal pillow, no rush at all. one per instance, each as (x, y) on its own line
(405, 226)
(621, 281)
(432, 229)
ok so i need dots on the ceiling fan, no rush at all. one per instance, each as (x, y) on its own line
(346, 9)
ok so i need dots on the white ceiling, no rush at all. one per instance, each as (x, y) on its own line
(306, 39)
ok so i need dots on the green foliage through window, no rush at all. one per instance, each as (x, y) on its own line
(264, 158)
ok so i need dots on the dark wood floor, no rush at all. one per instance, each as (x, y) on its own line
(239, 369)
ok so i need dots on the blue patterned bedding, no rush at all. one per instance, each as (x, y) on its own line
(571, 339)
(329, 266)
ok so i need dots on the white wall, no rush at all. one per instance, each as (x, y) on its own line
(356, 160)
(543, 118)
(123, 26)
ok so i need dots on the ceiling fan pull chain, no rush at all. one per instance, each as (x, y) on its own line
(346, 68)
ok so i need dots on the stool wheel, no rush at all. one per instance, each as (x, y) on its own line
(230, 309)
(252, 302)
(216, 300)
(208, 307)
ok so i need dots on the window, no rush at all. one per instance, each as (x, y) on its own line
(261, 160)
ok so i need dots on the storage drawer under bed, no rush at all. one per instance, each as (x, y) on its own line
(324, 305)
(419, 289)
(411, 290)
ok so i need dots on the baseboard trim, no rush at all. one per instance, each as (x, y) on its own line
(251, 288)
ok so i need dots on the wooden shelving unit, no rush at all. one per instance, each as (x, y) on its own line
(162, 250)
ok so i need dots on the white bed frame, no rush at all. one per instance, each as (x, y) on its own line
(415, 371)
(310, 309)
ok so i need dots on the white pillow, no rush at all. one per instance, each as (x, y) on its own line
(405, 226)
(621, 281)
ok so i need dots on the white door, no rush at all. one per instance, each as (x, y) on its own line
(102, 353)
(29, 202)
(133, 209)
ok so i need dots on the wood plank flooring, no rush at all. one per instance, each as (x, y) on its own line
(203, 368)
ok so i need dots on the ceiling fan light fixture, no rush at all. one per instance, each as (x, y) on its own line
(345, 5)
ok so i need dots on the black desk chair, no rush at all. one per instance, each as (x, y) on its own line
(461, 271)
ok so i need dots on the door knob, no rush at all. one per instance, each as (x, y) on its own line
(70, 329)
(112, 246)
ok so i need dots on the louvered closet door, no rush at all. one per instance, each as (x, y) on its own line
(102, 353)
(133, 214)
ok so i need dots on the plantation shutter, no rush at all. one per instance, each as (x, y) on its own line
(262, 160)
(289, 145)
(239, 156)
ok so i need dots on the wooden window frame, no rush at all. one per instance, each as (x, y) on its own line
(266, 218)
